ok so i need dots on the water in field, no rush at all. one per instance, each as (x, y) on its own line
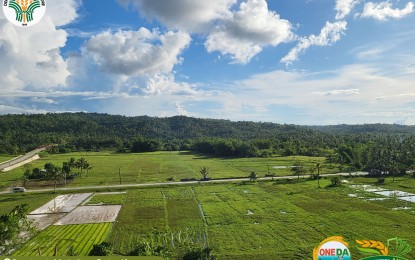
(386, 194)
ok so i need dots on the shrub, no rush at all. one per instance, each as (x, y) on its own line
(103, 249)
(335, 182)
(199, 254)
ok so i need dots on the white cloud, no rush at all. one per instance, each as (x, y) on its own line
(250, 29)
(341, 92)
(43, 100)
(384, 10)
(189, 15)
(344, 7)
(181, 110)
(30, 57)
(62, 12)
(329, 35)
(137, 53)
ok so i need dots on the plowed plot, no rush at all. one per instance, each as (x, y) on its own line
(61, 204)
(44, 220)
(90, 215)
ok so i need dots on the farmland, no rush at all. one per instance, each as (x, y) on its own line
(75, 240)
(160, 166)
(259, 220)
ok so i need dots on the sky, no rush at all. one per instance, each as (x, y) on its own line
(306, 62)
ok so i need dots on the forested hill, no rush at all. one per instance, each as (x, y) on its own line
(366, 128)
(91, 131)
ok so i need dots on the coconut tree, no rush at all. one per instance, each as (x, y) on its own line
(81, 164)
(53, 173)
(318, 168)
(205, 173)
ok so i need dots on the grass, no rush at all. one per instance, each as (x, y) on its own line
(158, 167)
(66, 240)
(4, 158)
(9, 201)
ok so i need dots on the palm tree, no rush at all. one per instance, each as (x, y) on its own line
(205, 172)
(81, 164)
(253, 176)
(318, 167)
(54, 174)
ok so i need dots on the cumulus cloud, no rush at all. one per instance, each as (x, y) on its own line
(31, 56)
(249, 29)
(62, 12)
(181, 110)
(344, 7)
(384, 10)
(330, 34)
(137, 53)
(189, 15)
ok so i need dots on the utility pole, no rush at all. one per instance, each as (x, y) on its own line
(119, 173)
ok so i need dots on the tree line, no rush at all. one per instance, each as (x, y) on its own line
(386, 148)
(56, 174)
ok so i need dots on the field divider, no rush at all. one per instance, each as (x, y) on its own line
(205, 224)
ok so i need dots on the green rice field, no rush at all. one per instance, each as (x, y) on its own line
(76, 240)
(110, 168)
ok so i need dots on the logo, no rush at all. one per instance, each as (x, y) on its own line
(24, 12)
(332, 248)
(397, 249)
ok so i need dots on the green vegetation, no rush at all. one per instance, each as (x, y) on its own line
(11, 225)
(4, 158)
(166, 219)
(107, 199)
(76, 240)
(254, 220)
(159, 167)
(33, 200)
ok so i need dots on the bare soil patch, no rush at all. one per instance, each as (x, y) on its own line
(45, 220)
(91, 215)
(62, 204)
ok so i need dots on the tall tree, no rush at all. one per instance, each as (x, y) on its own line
(54, 173)
(205, 173)
(299, 169)
(11, 227)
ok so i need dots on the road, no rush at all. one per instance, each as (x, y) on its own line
(21, 158)
(161, 184)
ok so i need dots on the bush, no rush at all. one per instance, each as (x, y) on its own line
(381, 180)
(199, 254)
(335, 182)
(103, 249)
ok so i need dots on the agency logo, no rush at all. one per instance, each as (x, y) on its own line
(24, 12)
(332, 248)
(396, 249)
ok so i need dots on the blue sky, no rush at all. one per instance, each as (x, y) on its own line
(304, 62)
